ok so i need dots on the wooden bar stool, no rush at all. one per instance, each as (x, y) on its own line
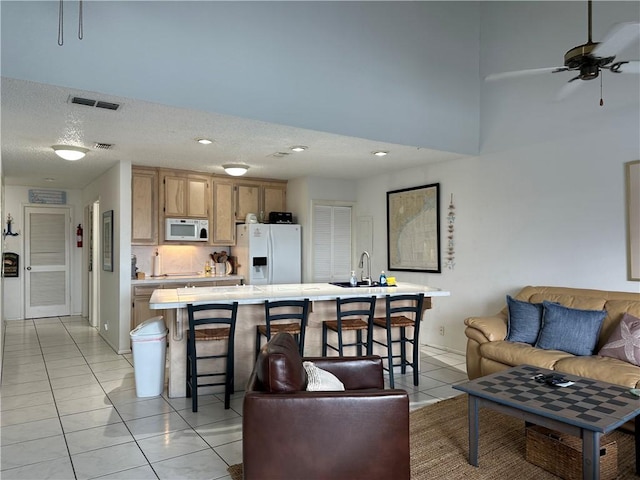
(289, 316)
(203, 315)
(347, 308)
(396, 317)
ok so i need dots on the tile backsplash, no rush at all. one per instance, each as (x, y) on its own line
(185, 259)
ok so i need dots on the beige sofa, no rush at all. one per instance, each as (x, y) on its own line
(488, 352)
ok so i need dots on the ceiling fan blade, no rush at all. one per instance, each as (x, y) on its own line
(570, 87)
(523, 73)
(630, 66)
(616, 39)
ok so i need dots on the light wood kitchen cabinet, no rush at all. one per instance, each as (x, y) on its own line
(255, 196)
(184, 194)
(144, 206)
(223, 231)
(275, 199)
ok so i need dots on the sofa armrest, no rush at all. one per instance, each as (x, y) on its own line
(486, 329)
(356, 373)
(319, 435)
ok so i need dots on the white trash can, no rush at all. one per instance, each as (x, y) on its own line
(149, 345)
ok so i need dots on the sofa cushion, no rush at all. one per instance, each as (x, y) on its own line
(569, 329)
(624, 342)
(512, 354)
(319, 380)
(523, 321)
(279, 366)
(605, 369)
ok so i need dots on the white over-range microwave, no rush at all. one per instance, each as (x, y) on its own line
(186, 230)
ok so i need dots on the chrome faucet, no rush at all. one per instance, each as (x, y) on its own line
(361, 265)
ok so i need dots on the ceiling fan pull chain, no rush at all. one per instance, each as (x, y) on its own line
(601, 100)
(60, 24)
(80, 22)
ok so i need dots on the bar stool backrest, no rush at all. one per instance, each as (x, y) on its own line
(395, 307)
(346, 308)
(273, 312)
(215, 313)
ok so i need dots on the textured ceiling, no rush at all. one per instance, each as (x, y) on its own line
(36, 116)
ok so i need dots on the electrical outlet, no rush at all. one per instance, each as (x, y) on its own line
(442, 330)
(106, 327)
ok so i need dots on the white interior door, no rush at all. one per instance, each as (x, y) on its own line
(47, 261)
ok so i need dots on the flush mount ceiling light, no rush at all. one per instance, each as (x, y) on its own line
(69, 152)
(235, 169)
(204, 141)
(380, 153)
(299, 148)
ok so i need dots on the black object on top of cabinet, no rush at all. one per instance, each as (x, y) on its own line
(280, 217)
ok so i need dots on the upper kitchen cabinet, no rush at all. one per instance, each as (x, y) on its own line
(144, 206)
(223, 229)
(184, 195)
(256, 196)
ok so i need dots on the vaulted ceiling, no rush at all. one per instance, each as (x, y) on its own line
(343, 78)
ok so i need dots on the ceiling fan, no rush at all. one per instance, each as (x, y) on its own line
(589, 59)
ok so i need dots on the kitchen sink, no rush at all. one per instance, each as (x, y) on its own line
(348, 285)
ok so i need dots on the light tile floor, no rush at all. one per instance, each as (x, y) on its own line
(69, 410)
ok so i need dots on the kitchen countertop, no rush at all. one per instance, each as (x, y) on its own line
(191, 278)
(254, 294)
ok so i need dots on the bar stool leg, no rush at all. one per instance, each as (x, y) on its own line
(416, 352)
(257, 343)
(390, 358)
(324, 340)
(403, 349)
(359, 342)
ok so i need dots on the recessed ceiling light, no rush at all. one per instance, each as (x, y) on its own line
(380, 153)
(299, 148)
(204, 141)
(49, 179)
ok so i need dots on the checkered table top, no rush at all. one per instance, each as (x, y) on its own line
(588, 403)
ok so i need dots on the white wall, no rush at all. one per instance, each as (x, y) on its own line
(16, 198)
(301, 192)
(113, 190)
(543, 204)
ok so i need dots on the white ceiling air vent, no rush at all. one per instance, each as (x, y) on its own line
(89, 102)
(280, 154)
(102, 146)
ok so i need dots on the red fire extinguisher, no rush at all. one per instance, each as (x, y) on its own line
(79, 235)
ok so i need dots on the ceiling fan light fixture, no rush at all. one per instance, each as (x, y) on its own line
(380, 153)
(299, 148)
(70, 152)
(204, 141)
(235, 169)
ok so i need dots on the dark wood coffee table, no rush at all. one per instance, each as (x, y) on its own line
(587, 409)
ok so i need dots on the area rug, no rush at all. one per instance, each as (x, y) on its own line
(440, 444)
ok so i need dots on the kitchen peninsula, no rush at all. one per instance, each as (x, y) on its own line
(251, 313)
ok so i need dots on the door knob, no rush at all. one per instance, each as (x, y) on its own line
(28, 268)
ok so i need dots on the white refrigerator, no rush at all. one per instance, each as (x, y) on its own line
(269, 254)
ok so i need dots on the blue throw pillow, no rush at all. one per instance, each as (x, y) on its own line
(569, 329)
(523, 321)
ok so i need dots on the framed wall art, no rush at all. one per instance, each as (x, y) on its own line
(632, 174)
(413, 229)
(107, 241)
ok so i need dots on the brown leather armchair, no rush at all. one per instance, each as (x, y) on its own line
(289, 433)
